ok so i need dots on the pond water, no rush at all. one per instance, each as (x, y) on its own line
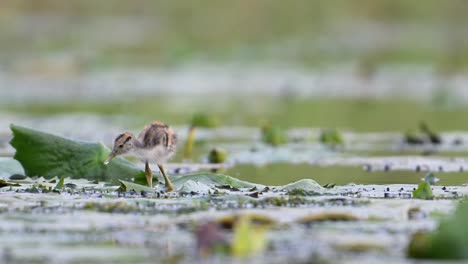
(317, 105)
(366, 158)
(365, 213)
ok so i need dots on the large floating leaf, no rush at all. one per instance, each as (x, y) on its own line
(201, 182)
(43, 154)
(204, 182)
(307, 186)
(9, 166)
(194, 186)
(126, 186)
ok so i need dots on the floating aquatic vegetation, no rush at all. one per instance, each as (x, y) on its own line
(305, 187)
(413, 139)
(427, 136)
(331, 137)
(198, 120)
(423, 191)
(211, 181)
(273, 135)
(43, 154)
(217, 155)
(126, 186)
(433, 137)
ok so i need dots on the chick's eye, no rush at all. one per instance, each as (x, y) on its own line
(120, 146)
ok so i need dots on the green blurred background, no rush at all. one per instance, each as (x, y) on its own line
(309, 33)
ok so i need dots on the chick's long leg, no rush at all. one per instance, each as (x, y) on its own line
(149, 175)
(169, 185)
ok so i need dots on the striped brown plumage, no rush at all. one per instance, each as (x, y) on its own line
(155, 143)
(158, 133)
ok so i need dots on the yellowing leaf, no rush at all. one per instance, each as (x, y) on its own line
(248, 239)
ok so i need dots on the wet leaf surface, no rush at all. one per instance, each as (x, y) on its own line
(304, 187)
(203, 182)
(47, 155)
(126, 186)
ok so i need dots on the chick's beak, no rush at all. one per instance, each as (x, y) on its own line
(111, 156)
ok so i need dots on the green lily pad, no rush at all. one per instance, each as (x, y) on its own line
(9, 166)
(47, 155)
(423, 191)
(126, 186)
(194, 186)
(306, 186)
(201, 182)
